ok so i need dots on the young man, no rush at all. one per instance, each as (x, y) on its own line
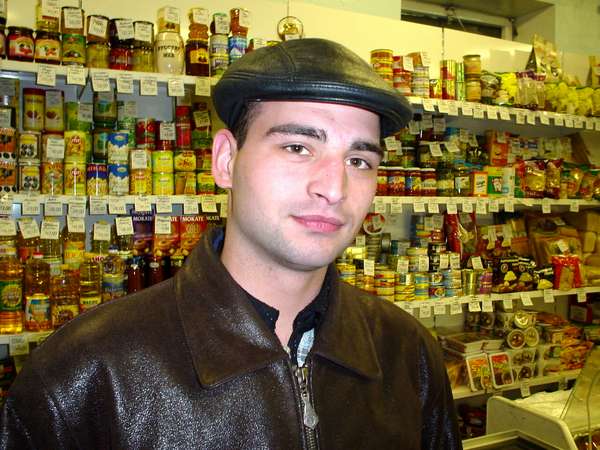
(255, 343)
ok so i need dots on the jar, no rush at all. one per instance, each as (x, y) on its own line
(143, 33)
(47, 47)
(97, 28)
(73, 49)
(121, 56)
(20, 43)
(72, 20)
(412, 183)
(54, 111)
(197, 61)
(33, 109)
(29, 146)
(238, 18)
(2, 43)
(382, 179)
(168, 19)
(462, 181)
(143, 57)
(105, 109)
(98, 55)
(428, 182)
(396, 181)
(169, 53)
(445, 182)
(473, 90)
(218, 44)
(164, 142)
(220, 24)
(472, 65)
(29, 176)
(46, 21)
(183, 128)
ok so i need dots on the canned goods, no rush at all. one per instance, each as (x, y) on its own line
(118, 179)
(185, 161)
(73, 119)
(97, 179)
(145, 133)
(54, 111)
(472, 65)
(205, 183)
(396, 181)
(8, 175)
(163, 184)
(218, 44)
(412, 181)
(140, 181)
(105, 108)
(473, 90)
(75, 173)
(37, 312)
(237, 47)
(29, 176)
(162, 161)
(452, 279)
(436, 285)
(33, 109)
(382, 180)
(52, 177)
(118, 148)
(100, 145)
(140, 159)
(218, 63)
(29, 146)
(73, 49)
(127, 125)
(469, 281)
(185, 183)
(75, 146)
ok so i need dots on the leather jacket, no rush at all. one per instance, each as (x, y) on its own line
(189, 363)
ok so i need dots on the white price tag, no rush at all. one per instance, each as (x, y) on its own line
(526, 299)
(407, 63)
(221, 24)
(477, 263)
(504, 114)
(402, 265)
(531, 117)
(478, 111)
(51, 8)
(425, 311)
(396, 206)
(124, 226)
(208, 204)
(509, 205)
(391, 144)
(125, 29)
(520, 116)
(574, 206)
(486, 306)
(439, 310)
(559, 120)
(455, 261)
(117, 205)
(6, 206)
(75, 224)
(452, 147)
(46, 75)
(163, 205)
(452, 108)
(455, 308)
(30, 207)
(474, 306)
(5, 117)
(244, 18)
(360, 240)
(100, 81)
(202, 87)
(97, 206)
(129, 109)
(73, 18)
(444, 261)
(544, 118)
(148, 86)
(492, 112)
(423, 263)
(55, 148)
(467, 109)
(143, 31)
(442, 107)
(190, 205)
(428, 104)
(494, 206)
(29, 228)
(97, 26)
(548, 296)
(167, 131)
(546, 206)
(525, 391)
(101, 231)
(581, 295)
(124, 83)
(142, 204)
(175, 87)
(139, 159)
(18, 345)
(562, 246)
(369, 267)
(7, 227)
(224, 206)
(171, 14)
(50, 229)
(451, 207)
(76, 209)
(85, 112)
(507, 303)
(202, 119)
(76, 75)
(53, 209)
(379, 206)
(589, 124)
(200, 16)
(435, 149)
(419, 207)
(434, 208)
(481, 206)
(569, 122)
(467, 207)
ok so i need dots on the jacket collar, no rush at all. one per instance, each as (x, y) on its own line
(227, 338)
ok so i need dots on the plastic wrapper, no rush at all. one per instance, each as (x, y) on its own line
(586, 189)
(535, 179)
(519, 179)
(571, 178)
(543, 278)
(553, 170)
(567, 272)
(461, 234)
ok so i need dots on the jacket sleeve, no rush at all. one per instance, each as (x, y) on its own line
(440, 426)
(30, 418)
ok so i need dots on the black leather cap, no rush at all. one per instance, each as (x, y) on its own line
(311, 70)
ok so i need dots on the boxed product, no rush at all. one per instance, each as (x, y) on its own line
(142, 232)
(480, 374)
(167, 244)
(502, 374)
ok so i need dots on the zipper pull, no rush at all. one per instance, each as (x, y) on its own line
(309, 415)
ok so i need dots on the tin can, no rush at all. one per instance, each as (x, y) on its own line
(469, 281)
(140, 159)
(448, 89)
(237, 47)
(396, 181)
(75, 173)
(29, 146)
(75, 146)
(73, 49)
(53, 177)
(98, 55)
(436, 285)
(105, 109)
(218, 63)
(29, 176)
(54, 111)
(185, 183)
(472, 65)
(205, 183)
(162, 161)
(185, 161)
(140, 181)
(382, 179)
(118, 179)
(163, 184)
(127, 125)
(118, 148)
(8, 173)
(145, 133)
(473, 90)
(413, 181)
(97, 179)
(37, 312)
(73, 120)
(33, 109)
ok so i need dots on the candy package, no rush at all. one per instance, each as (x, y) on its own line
(567, 272)
(535, 179)
(586, 189)
(553, 169)
(461, 234)
(190, 230)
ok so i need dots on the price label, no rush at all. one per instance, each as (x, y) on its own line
(443, 107)
(7, 227)
(30, 207)
(53, 209)
(486, 306)
(85, 112)
(474, 306)
(569, 122)
(525, 391)
(75, 224)
(455, 261)
(224, 206)
(407, 63)
(439, 310)
(221, 24)
(142, 31)
(50, 229)
(444, 261)
(202, 87)
(402, 265)
(546, 206)
(97, 26)
(5, 117)
(200, 15)
(379, 206)
(360, 241)
(452, 147)
(244, 18)
(544, 118)
(18, 346)
(163, 205)
(494, 206)
(391, 144)
(451, 207)
(531, 117)
(125, 29)
(520, 117)
(428, 105)
(589, 124)
(526, 299)
(124, 83)
(46, 75)
(29, 228)
(124, 226)
(452, 109)
(396, 206)
(139, 159)
(419, 207)
(504, 114)
(116, 205)
(455, 308)
(369, 266)
(101, 231)
(142, 204)
(509, 205)
(51, 8)
(478, 112)
(435, 149)
(574, 206)
(492, 112)
(581, 295)
(55, 148)
(97, 206)
(76, 75)
(507, 303)
(208, 204)
(73, 18)
(559, 120)
(562, 246)
(423, 263)
(425, 311)
(6, 206)
(167, 131)
(100, 81)
(202, 119)
(467, 109)
(76, 209)
(175, 87)
(548, 296)
(467, 207)
(477, 263)
(148, 86)
(190, 205)
(480, 206)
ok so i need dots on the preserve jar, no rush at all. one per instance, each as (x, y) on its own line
(47, 47)
(98, 55)
(428, 182)
(73, 49)
(72, 20)
(20, 43)
(412, 181)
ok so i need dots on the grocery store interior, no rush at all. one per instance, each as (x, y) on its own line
(486, 222)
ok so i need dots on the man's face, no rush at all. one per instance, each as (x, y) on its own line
(303, 181)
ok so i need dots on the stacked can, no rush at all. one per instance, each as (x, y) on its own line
(185, 157)
(29, 161)
(382, 61)
(452, 282)
(8, 161)
(373, 246)
(405, 287)
(460, 81)
(422, 283)
(126, 122)
(118, 148)
(75, 169)
(414, 253)
(472, 74)
(163, 180)
(402, 77)
(384, 282)
(347, 272)
(469, 281)
(437, 288)
(484, 281)
(140, 177)
(218, 44)
(434, 251)
(448, 78)
(420, 81)
(74, 117)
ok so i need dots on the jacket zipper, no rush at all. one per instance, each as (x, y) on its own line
(309, 415)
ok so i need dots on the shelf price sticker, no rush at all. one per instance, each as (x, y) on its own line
(76, 75)
(100, 81)
(55, 148)
(369, 266)
(46, 75)
(486, 306)
(124, 226)
(435, 149)
(504, 114)
(478, 111)
(142, 204)
(452, 147)
(507, 303)
(6, 205)
(30, 207)
(494, 206)
(531, 117)
(428, 105)
(175, 87)
(224, 207)
(452, 108)
(480, 206)
(396, 206)
(444, 261)
(425, 311)
(434, 208)
(423, 263)
(221, 24)
(29, 228)
(402, 265)
(439, 310)
(520, 116)
(124, 83)
(202, 87)
(75, 224)
(467, 207)
(73, 18)
(163, 205)
(142, 32)
(589, 124)
(455, 308)
(53, 208)
(546, 206)
(509, 205)
(190, 205)
(391, 144)
(525, 391)
(148, 86)
(97, 206)
(559, 120)
(419, 207)
(18, 346)
(5, 118)
(97, 26)
(467, 109)
(544, 118)
(548, 296)
(209, 205)
(101, 231)
(574, 206)
(125, 29)
(526, 299)
(451, 206)
(569, 122)
(442, 107)
(76, 208)
(50, 229)
(474, 306)
(7, 227)
(407, 63)
(578, 121)
(455, 261)
(581, 295)
(492, 112)
(117, 205)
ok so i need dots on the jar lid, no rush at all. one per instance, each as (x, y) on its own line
(33, 91)
(21, 29)
(53, 34)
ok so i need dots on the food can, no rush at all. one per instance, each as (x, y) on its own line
(185, 161)
(218, 44)
(145, 132)
(382, 179)
(29, 176)
(218, 63)
(185, 183)
(100, 145)
(396, 181)
(473, 90)
(237, 47)
(118, 148)
(469, 281)
(127, 125)
(163, 184)
(75, 146)
(75, 173)
(436, 285)
(29, 146)
(140, 159)
(53, 173)
(33, 109)
(73, 49)
(73, 119)
(162, 161)
(98, 54)
(105, 109)
(448, 89)
(472, 65)
(205, 183)
(54, 111)
(37, 312)
(97, 179)
(140, 181)
(118, 179)
(8, 175)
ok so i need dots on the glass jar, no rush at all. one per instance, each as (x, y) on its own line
(98, 55)
(2, 43)
(428, 182)
(97, 28)
(382, 181)
(169, 53)
(197, 61)
(72, 20)
(412, 183)
(445, 181)
(47, 47)
(20, 43)
(121, 56)
(220, 24)
(462, 181)
(238, 18)
(143, 57)
(33, 109)
(46, 20)
(73, 49)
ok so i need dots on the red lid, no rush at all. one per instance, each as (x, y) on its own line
(33, 91)
(182, 110)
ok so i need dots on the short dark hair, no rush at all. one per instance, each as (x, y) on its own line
(240, 129)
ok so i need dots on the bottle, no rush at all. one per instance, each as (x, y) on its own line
(156, 270)
(26, 247)
(197, 60)
(11, 294)
(52, 250)
(136, 274)
(100, 247)
(170, 53)
(113, 277)
(37, 294)
(73, 248)
(90, 283)
(64, 296)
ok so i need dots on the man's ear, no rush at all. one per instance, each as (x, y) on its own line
(224, 151)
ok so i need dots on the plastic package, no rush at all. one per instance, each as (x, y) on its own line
(567, 272)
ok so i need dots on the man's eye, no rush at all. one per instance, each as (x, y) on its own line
(297, 148)
(358, 163)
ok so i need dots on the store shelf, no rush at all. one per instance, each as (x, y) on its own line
(505, 114)
(465, 392)
(18, 344)
(127, 199)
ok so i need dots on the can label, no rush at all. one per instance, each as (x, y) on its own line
(113, 286)
(237, 47)
(163, 184)
(29, 178)
(75, 173)
(55, 117)
(100, 146)
(21, 46)
(205, 183)
(162, 161)
(29, 146)
(185, 183)
(75, 146)
(52, 177)
(185, 161)
(140, 181)
(10, 295)
(73, 46)
(8, 175)
(118, 179)
(118, 147)
(145, 133)
(97, 179)
(37, 313)
(61, 314)
(87, 302)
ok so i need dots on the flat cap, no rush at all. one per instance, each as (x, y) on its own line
(309, 70)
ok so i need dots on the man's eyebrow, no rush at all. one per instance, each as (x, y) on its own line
(367, 147)
(298, 130)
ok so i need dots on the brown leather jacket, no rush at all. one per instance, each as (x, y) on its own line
(190, 364)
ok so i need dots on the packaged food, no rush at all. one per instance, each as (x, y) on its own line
(535, 179)
(461, 233)
(501, 369)
(185, 183)
(143, 230)
(75, 146)
(191, 229)
(567, 272)
(586, 189)
(167, 244)
(52, 177)
(480, 375)
(571, 177)
(495, 181)
(74, 178)
(118, 179)
(553, 178)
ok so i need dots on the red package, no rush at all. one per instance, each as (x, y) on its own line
(461, 234)
(553, 175)
(567, 272)
(167, 244)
